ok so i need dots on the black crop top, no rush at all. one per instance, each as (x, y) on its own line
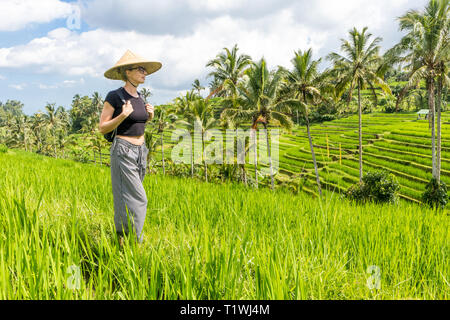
(134, 124)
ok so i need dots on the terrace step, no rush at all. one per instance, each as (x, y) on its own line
(349, 151)
(319, 163)
(345, 176)
(409, 198)
(325, 183)
(413, 144)
(407, 153)
(399, 173)
(406, 162)
(413, 136)
(402, 174)
(403, 188)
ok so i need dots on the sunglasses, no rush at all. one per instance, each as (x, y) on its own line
(141, 69)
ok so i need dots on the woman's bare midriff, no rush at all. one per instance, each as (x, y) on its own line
(137, 140)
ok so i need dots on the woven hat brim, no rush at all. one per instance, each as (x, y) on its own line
(150, 66)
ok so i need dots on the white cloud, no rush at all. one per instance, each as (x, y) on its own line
(175, 17)
(45, 86)
(184, 58)
(279, 29)
(20, 86)
(2, 77)
(63, 84)
(17, 14)
(215, 5)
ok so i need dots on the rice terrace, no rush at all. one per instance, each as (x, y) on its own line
(342, 193)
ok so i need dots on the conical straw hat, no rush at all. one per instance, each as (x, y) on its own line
(130, 59)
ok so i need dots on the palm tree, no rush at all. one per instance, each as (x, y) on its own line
(429, 33)
(64, 119)
(197, 86)
(232, 114)
(51, 117)
(228, 71)
(184, 108)
(18, 131)
(150, 143)
(164, 119)
(145, 93)
(52, 124)
(97, 103)
(425, 50)
(443, 80)
(303, 89)
(201, 115)
(38, 124)
(258, 99)
(63, 140)
(357, 68)
(214, 87)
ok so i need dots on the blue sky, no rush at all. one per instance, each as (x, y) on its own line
(46, 58)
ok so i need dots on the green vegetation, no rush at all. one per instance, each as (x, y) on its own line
(376, 186)
(199, 243)
(228, 238)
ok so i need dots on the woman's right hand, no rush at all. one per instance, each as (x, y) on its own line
(127, 108)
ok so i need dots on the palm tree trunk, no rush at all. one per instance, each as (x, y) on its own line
(204, 158)
(360, 134)
(162, 153)
(433, 133)
(270, 158)
(255, 153)
(313, 155)
(192, 158)
(241, 165)
(438, 127)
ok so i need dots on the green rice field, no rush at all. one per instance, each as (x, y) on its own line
(211, 241)
(398, 143)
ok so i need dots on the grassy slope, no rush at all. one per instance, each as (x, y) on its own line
(205, 241)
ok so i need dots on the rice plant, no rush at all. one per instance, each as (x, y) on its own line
(205, 241)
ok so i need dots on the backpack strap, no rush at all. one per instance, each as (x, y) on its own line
(119, 92)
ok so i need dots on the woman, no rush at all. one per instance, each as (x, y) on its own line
(128, 151)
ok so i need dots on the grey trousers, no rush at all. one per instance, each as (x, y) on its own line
(128, 164)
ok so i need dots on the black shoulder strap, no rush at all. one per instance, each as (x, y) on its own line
(119, 92)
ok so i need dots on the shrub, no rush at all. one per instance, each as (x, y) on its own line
(355, 192)
(3, 148)
(388, 104)
(435, 195)
(377, 186)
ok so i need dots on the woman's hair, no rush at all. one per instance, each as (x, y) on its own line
(123, 73)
